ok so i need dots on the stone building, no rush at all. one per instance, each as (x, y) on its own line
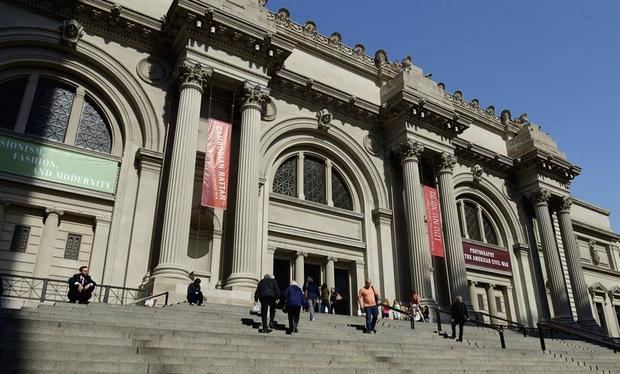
(341, 165)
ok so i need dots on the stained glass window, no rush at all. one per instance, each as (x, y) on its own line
(471, 221)
(285, 179)
(20, 239)
(340, 194)
(489, 231)
(11, 95)
(93, 132)
(50, 111)
(314, 179)
(72, 247)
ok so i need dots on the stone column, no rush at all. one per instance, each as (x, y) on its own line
(573, 262)
(509, 303)
(45, 255)
(454, 246)
(559, 294)
(170, 274)
(299, 268)
(245, 250)
(472, 292)
(99, 249)
(491, 302)
(360, 278)
(329, 272)
(419, 250)
(4, 206)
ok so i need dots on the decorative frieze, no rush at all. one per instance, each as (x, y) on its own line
(71, 32)
(324, 119)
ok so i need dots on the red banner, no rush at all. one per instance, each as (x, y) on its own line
(217, 155)
(486, 257)
(433, 221)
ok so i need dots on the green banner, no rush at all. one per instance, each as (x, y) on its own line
(42, 161)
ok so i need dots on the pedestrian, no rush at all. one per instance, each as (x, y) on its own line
(385, 309)
(334, 300)
(459, 316)
(194, 294)
(311, 294)
(293, 301)
(368, 299)
(81, 286)
(414, 300)
(268, 293)
(426, 314)
(396, 310)
(324, 299)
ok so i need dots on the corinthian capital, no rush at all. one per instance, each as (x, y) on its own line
(565, 204)
(410, 150)
(446, 162)
(194, 73)
(254, 94)
(540, 196)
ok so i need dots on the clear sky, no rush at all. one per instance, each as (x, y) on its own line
(557, 60)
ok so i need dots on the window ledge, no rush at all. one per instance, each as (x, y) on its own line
(314, 206)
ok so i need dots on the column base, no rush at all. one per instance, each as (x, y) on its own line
(591, 325)
(565, 320)
(241, 282)
(172, 279)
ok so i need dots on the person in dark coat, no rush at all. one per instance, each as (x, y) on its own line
(81, 287)
(293, 300)
(311, 293)
(459, 316)
(268, 293)
(194, 294)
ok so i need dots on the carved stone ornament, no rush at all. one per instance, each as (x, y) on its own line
(541, 196)
(411, 150)
(407, 63)
(490, 110)
(262, 2)
(565, 203)
(446, 162)
(254, 94)
(324, 119)
(195, 73)
(381, 58)
(271, 111)
(283, 15)
(522, 119)
(115, 14)
(310, 27)
(359, 50)
(458, 95)
(505, 117)
(477, 172)
(372, 144)
(596, 258)
(152, 70)
(335, 39)
(475, 103)
(71, 32)
(442, 86)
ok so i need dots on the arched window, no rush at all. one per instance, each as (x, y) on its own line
(54, 110)
(321, 181)
(285, 179)
(476, 223)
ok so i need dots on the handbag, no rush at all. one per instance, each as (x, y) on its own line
(338, 297)
(256, 308)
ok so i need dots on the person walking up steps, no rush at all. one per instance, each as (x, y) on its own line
(268, 292)
(311, 293)
(368, 299)
(293, 300)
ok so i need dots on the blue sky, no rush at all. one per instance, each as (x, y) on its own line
(557, 60)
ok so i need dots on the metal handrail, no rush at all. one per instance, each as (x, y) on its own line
(151, 297)
(586, 336)
(411, 315)
(47, 289)
(481, 324)
(520, 326)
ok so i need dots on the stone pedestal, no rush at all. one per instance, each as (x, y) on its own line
(170, 274)
(48, 241)
(559, 294)
(454, 246)
(245, 257)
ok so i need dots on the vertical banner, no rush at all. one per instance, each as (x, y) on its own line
(433, 221)
(217, 156)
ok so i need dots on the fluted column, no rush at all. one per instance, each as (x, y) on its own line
(491, 302)
(472, 291)
(175, 231)
(559, 294)
(573, 259)
(419, 251)
(245, 249)
(299, 267)
(45, 255)
(329, 272)
(454, 246)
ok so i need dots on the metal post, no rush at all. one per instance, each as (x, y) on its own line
(524, 332)
(438, 318)
(412, 322)
(501, 339)
(166, 300)
(542, 338)
(106, 295)
(43, 290)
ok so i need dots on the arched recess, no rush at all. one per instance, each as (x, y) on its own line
(21, 47)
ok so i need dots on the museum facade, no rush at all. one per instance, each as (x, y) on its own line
(339, 165)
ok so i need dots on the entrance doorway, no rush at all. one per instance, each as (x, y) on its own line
(601, 316)
(313, 271)
(282, 272)
(341, 278)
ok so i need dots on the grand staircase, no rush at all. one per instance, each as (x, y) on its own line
(101, 338)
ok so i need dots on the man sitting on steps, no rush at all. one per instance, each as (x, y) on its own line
(81, 287)
(194, 294)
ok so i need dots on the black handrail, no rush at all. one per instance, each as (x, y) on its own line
(480, 324)
(411, 315)
(142, 300)
(520, 326)
(46, 289)
(602, 340)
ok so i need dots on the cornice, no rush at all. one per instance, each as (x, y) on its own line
(598, 269)
(475, 153)
(591, 206)
(548, 164)
(606, 234)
